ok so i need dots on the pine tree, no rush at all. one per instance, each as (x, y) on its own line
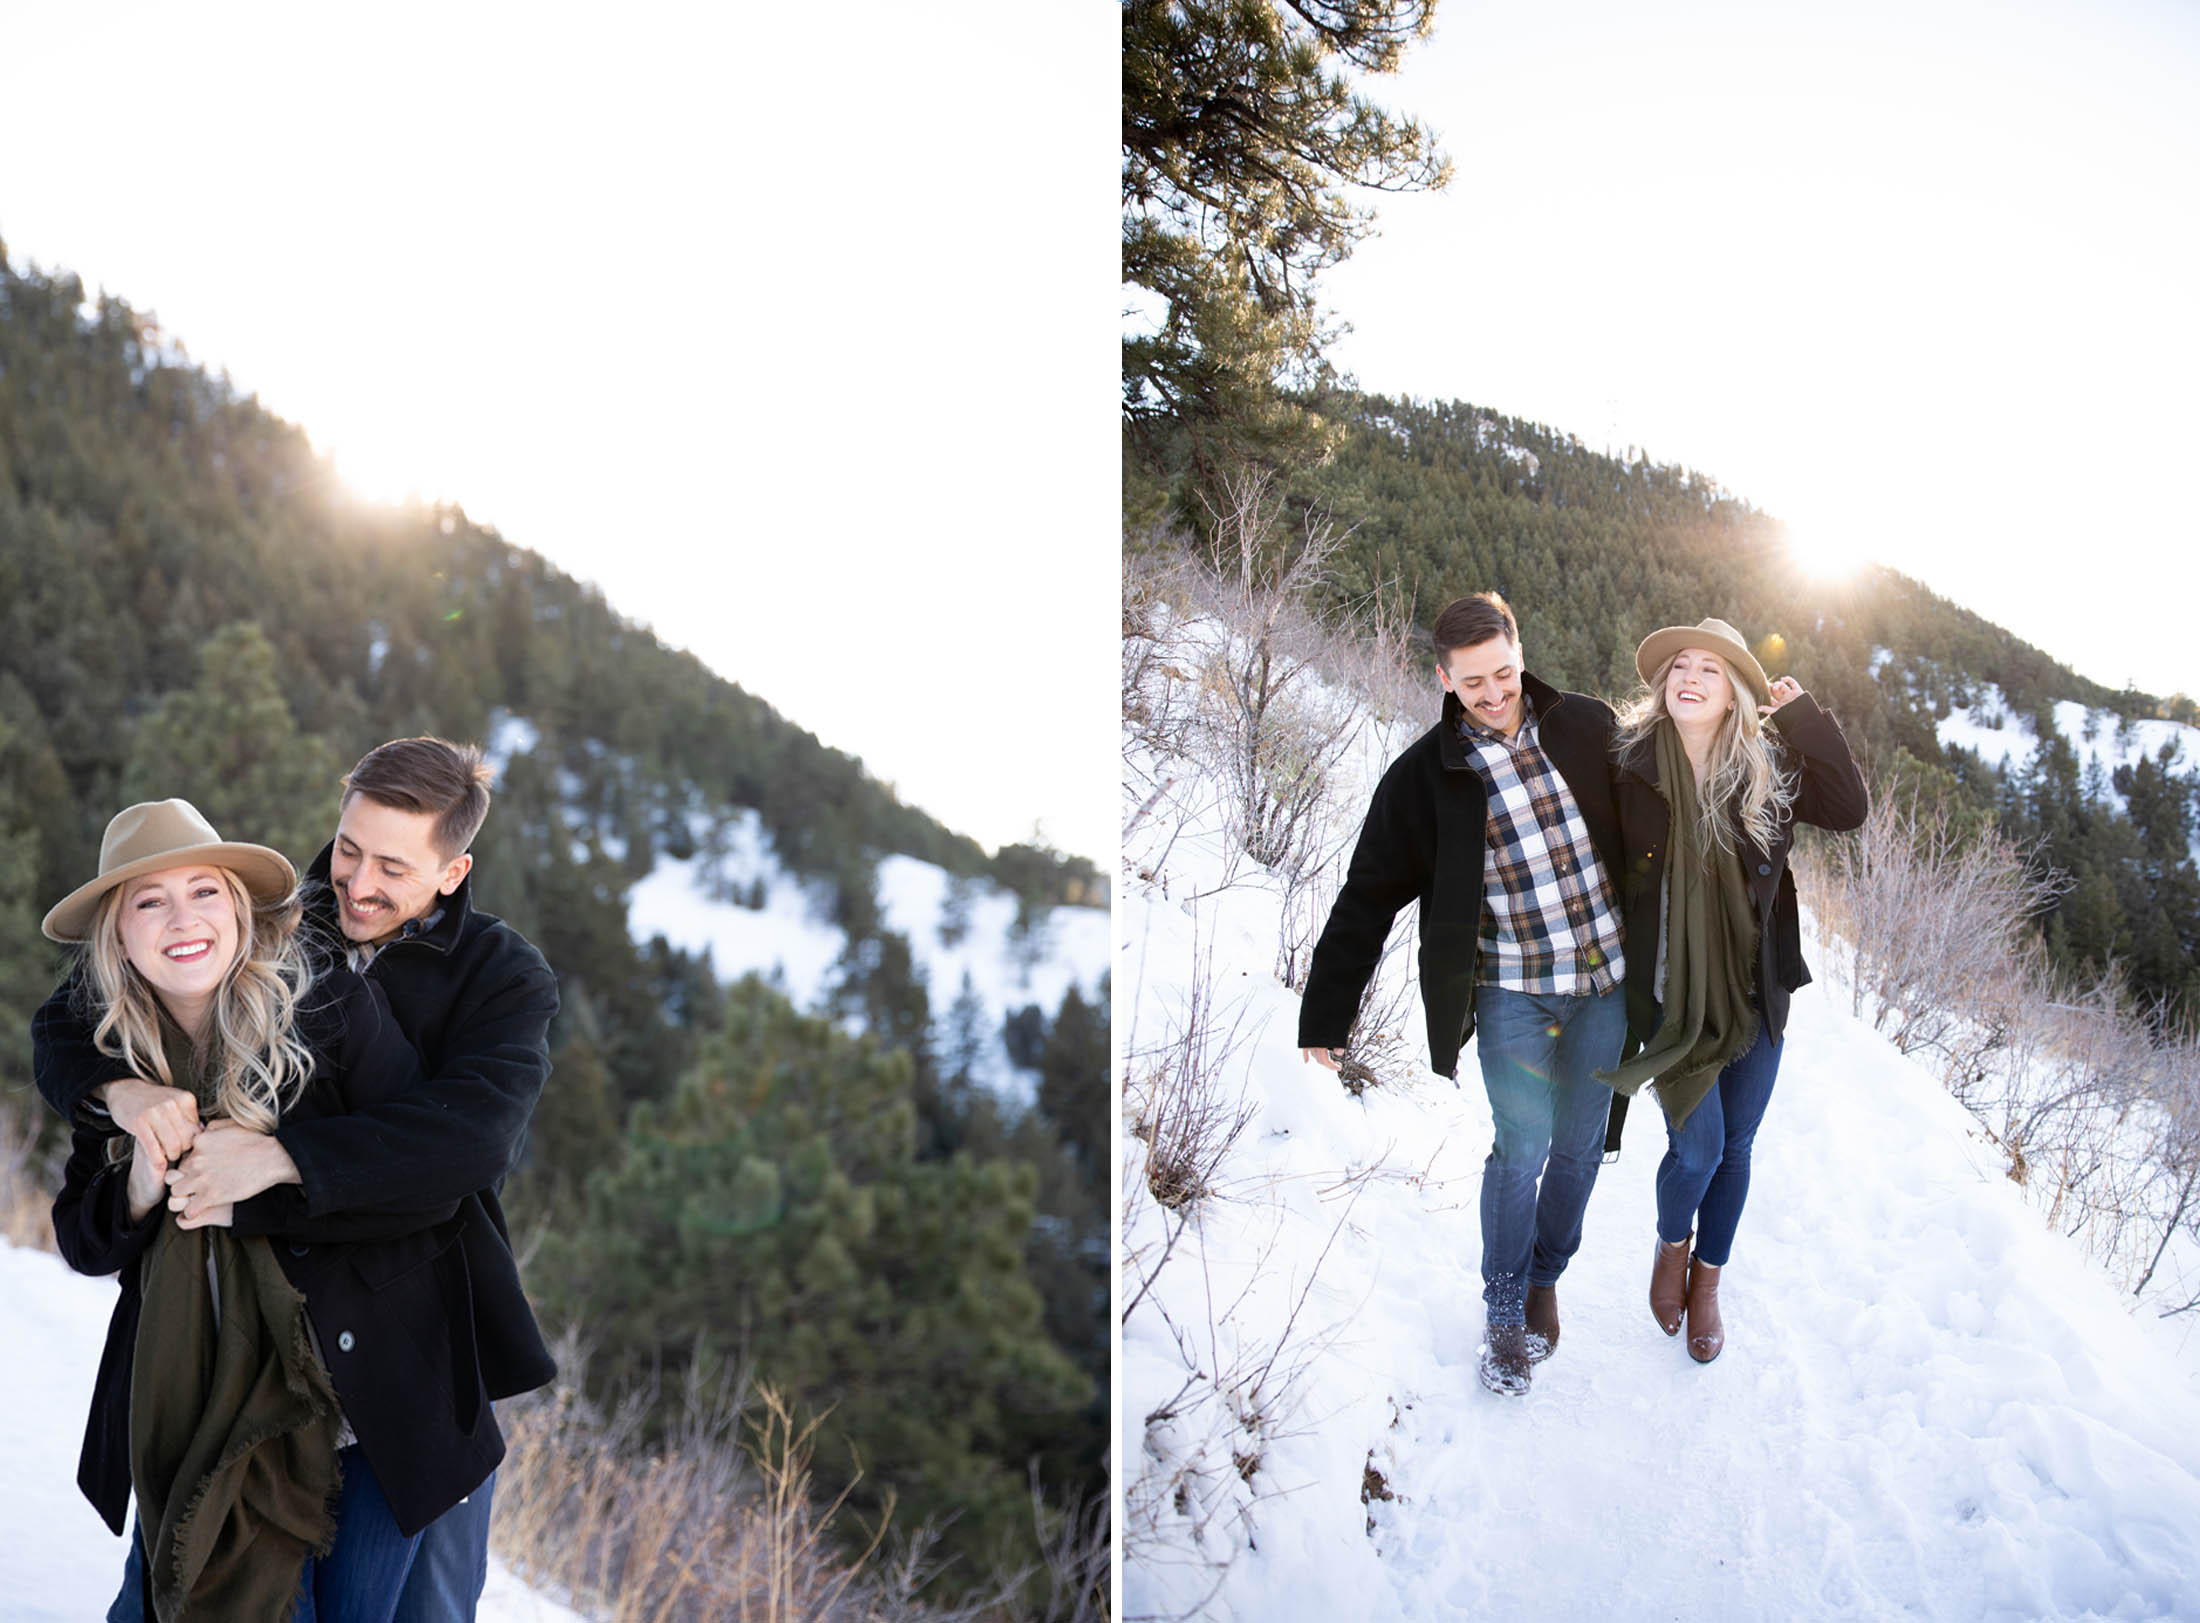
(230, 745)
(1241, 134)
(775, 1212)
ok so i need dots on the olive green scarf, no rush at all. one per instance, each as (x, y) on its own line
(1709, 1020)
(233, 1422)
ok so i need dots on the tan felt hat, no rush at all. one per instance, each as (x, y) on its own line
(157, 834)
(1716, 635)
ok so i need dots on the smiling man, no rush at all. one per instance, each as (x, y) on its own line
(1499, 821)
(474, 998)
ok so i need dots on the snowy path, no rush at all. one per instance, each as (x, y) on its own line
(58, 1562)
(1929, 1407)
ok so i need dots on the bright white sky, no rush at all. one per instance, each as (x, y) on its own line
(1916, 276)
(794, 330)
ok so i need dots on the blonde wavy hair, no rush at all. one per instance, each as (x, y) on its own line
(250, 1050)
(1744, 787)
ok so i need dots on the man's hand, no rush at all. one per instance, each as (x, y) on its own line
(215, 1217)
(164, 1121)
(228, 1163)
(1324, 1057)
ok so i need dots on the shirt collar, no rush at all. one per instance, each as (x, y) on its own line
(1474, 732)
(362, 953)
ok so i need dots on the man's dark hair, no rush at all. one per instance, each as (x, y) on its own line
(449, 781)
(1468, 622)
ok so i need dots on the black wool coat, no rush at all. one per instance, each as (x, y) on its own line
(392, 1314)
(1424, 840)
(1829, 794)
(474, 999)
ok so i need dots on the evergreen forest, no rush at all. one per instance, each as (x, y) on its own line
(191, 604)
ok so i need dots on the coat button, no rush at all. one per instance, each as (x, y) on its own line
(343, 1342)
(299, 1250)
(1764, 868)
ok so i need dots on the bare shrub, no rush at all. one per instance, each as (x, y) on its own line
(1276, 731)
(1376, 651)
(1384, 1038)
(2091, 1105)
(1933, 922)
(30, 1174)
(2176, 1208)
(1160, 687)
(1309, 892)
(1204, 1448)
(1174, 1091)
(717, 1521)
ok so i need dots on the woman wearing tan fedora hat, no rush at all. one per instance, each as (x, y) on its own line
(1716, 764)
(220, 1398)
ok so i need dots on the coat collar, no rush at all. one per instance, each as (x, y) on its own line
(1452, 749)
(442, 936)
(1640, 760)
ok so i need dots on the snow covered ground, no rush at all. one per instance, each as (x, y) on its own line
(1930, 1405)
(61, 1565)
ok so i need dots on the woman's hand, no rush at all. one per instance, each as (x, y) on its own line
(146, 1187)
(1784, 690)
(164, 1121)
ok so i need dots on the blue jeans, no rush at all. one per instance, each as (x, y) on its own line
(1704, 1179)
(356, 1582)
(1538, 1052)
(452, 1563)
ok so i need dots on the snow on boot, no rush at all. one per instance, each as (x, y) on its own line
(1505, 1364)
(1542, 1322)
(1706, 1331)
(1669, 1284)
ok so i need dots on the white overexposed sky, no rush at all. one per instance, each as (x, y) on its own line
(1917, 278)
(793, 330)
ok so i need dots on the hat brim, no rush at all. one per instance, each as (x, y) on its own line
(1662, 645)
(267, 875)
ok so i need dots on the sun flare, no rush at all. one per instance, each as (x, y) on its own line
(1824, 553)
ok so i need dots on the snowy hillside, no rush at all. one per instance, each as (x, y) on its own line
(960, 935)
(61, 1563)
(1990, 730)
(734, 900)
(1930, 1406)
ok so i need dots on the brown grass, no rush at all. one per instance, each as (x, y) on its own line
(720, 1523)
(29, 1176)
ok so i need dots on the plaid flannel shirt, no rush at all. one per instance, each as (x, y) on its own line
(1550, 922)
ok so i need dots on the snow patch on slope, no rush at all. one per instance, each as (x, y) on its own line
(689, 902)
(1990, 730)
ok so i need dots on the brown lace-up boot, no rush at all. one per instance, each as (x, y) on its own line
(1706, 1331)
(1669, 1285)
(1542, 1322)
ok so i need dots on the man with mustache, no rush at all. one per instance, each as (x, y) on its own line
(474, 998)
(1500, 822)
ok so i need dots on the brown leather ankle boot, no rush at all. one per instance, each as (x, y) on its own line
(1669, 1285)
(1706, 1330)
(1542, 1322)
